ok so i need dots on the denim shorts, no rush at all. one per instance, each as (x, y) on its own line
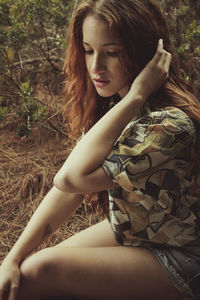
(183, 267)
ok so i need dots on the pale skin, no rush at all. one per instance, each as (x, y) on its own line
(90, 264)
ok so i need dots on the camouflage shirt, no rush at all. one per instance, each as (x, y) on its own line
(151, 163)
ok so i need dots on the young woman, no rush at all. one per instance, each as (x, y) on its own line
(141, 143)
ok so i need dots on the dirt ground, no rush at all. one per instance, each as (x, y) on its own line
(27, 168)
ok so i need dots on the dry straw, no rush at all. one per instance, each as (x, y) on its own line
(27, 167)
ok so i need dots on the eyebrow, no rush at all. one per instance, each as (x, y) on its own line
(106, 44)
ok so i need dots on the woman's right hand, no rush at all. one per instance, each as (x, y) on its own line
(154, 74)
(9, 280)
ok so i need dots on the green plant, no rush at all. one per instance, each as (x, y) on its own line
(32, 45)
(191, 40)
(184, 24)
(29, 111)
(3, 110)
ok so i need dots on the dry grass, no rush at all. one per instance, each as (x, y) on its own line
(27, 167)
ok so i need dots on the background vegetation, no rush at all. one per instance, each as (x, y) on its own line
(33, 140)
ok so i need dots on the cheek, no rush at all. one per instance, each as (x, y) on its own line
(118, 69)
(87, 63)
(122, 76)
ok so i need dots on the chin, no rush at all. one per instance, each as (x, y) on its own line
(106, 94)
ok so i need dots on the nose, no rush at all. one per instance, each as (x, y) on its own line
(98, 64)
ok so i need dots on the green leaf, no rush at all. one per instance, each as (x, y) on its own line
(187, 46)
(188, 34)
(197, 50)
(3, 112)
(181, 12)
(24, 129)
(40, 114)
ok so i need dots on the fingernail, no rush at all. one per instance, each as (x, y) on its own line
(161, 41)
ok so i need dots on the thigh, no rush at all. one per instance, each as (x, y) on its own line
(98, 235)
(97, 273)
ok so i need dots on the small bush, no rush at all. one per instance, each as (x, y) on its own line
(32, 45)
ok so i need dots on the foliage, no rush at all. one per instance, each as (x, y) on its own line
(183, 17)
(32, 43)
(3, 110)
(29, 110)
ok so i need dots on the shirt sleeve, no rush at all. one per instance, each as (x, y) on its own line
(148, 142)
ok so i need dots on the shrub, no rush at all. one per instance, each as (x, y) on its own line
(32, 45)
(32, 42)
(184, 24)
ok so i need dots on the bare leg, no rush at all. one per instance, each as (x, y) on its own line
(95, 273)
(99, 235)
(111, 272)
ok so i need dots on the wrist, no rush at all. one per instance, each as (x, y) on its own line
(8, 261)
(136, 97)
(13, 258)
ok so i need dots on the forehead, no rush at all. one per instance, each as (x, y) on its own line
(96, 30)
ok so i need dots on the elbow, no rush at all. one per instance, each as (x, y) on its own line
(59, 183)
(63, 183)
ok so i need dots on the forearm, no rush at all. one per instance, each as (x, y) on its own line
(94, 147)
(98, 142)
(56, 207)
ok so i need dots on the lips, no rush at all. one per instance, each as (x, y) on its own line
(100, 82)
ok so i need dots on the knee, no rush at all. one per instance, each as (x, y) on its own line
(35, 265)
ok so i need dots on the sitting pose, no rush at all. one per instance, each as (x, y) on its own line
(139, 126)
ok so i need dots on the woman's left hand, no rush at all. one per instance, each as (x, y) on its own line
(153, 75)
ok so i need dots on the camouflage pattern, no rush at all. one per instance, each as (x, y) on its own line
(151, 163)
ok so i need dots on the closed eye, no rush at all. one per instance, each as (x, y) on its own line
(112, 54)
(108, 53)
(89, 52)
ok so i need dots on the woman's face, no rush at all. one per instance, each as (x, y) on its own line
(102, 58)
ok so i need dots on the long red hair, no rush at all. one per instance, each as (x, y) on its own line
(138, 25)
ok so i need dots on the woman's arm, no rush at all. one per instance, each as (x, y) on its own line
(56, 207)
(82, 170)
(51, 213)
